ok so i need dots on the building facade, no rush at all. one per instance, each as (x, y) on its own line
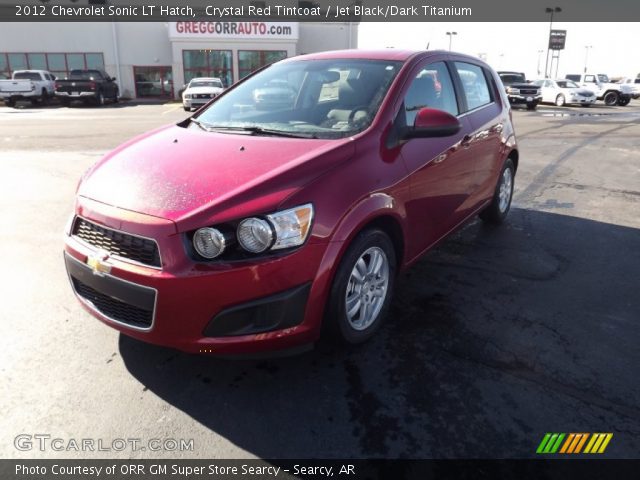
(155, 59)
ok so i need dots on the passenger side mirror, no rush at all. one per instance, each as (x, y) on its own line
(431, 122)
(113, 79)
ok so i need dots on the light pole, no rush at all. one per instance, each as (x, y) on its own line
(586, 56)
(550, 10)
(540, 52)
(451, 34)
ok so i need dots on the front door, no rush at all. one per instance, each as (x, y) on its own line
(153, 82)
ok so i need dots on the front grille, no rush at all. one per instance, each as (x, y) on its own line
(123, 245)
(113, 308)
(530, 91)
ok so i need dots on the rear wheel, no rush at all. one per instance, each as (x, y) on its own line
(362, 288)
(187, 109)
(100, 99)
(611, 98)
(560, 100)
(10, 103)
(44, 97)
(499, 207)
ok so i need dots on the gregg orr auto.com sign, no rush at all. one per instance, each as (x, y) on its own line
(235, 30)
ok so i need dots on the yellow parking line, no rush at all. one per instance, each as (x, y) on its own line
(172, 108)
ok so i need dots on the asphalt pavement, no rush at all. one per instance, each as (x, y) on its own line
(496, 337)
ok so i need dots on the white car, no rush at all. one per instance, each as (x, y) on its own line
(565, 92)
(200, 91)
(34, 85)
(633, 85)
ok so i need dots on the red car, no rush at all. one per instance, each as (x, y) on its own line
(247, 228)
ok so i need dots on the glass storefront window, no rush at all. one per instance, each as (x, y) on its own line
(4, 67)
(75, 61)
(94, 61)
(57, 63)
(37, 61)
(208, 63)
(18, 61)
(251, 60)
(153, 81)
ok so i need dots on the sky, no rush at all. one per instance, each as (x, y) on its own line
(514, 46)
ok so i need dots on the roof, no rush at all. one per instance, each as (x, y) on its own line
(382, 54)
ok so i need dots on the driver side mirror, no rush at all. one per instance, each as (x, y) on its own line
(431, 122)
(113, 79)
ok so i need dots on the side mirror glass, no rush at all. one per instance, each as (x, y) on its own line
(431, 122)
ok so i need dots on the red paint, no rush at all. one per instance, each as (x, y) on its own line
(174, 180)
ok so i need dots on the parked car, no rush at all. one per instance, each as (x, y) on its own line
(610, 93)
(519, 91)
(276, 94)
(37, 86)
(95, 86)
(565, 92)
(244, 230)
(201, 91)
(633, 85)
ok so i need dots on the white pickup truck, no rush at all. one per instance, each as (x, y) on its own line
(34, 85)
(610, 93)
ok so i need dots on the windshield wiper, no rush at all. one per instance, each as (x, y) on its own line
(255, 130)
(204, 126)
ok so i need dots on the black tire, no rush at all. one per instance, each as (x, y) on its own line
(10, 103)
(494, 213)
(586, 105)
(560, 100)
(611, 98)
(116, 97)
(532, 106)
(187, 109)
(624, 101)
(336, 319)
(99, 99)
(44, 97)
(65, 102)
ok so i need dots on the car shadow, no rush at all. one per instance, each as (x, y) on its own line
(495, 337)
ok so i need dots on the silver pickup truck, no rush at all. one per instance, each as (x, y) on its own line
(37, 86)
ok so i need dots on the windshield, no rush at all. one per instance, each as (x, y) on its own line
(307, 98)
(566, 84)
(208, 83)
(512, 78)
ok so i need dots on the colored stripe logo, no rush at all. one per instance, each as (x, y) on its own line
(572, 443)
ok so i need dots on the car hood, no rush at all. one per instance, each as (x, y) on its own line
(184, 173)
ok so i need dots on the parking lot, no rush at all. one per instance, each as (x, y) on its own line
(495, 337)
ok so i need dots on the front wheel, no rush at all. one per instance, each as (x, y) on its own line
(10, 103)
(499, 207)
(560, 100)
(611, 98)
(187, 109)
(624, 101)
(362, 288)
(532, 106)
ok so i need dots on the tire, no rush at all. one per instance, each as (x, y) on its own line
(371, 256)
(499, 207)
(560, 100)
(532, 106)
(65, 102)
(585, 105)
(100, 99)
(44, 97)
(624, 101)
(611, 98)
(10, 103)
(187, 109)
(116, 97)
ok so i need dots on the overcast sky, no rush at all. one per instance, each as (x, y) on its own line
(515, 46)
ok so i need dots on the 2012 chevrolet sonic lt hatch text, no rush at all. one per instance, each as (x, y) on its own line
(291, 201)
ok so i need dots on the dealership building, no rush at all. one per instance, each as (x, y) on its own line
(154, 59)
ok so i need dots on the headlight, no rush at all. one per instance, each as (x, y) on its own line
(187, 95)
(292, 226)
(209, 242)
(255, 235)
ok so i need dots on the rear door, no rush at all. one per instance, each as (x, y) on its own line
(484, 111)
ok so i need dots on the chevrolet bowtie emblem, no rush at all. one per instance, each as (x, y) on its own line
(97, 262)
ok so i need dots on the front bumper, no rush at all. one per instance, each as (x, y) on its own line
(229, 308)
(524, 99)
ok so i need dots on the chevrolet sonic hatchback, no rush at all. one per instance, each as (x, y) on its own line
(291, 201)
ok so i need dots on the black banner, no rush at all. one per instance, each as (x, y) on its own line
(317, 469)
(316, 11)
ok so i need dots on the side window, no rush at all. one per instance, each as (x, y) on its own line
(432, 87)
(590, 78)
(547, 84)
(474, 84)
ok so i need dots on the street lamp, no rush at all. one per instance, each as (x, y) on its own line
(540, 52)
(550, 10)
(586, 56)
(451, 34)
